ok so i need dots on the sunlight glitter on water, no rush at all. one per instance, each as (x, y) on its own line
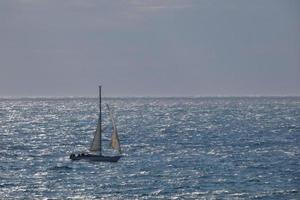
(188, 148)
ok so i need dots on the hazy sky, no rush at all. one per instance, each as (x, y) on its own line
(150, 47)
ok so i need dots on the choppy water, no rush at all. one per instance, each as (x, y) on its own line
(201, 148)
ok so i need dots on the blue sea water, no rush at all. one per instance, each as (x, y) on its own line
(174, 148)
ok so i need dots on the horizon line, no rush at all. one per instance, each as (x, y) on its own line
(140, 96)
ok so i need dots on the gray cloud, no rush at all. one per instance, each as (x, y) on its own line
(158, 48)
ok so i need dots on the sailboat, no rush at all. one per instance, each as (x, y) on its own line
(95, 151)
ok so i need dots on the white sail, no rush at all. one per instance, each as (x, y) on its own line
(96, 143)
(115, 143)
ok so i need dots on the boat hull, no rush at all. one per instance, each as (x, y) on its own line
(98, 158)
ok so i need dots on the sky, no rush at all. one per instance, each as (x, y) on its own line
(149, 47)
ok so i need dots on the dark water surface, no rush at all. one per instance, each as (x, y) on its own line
(174, 148)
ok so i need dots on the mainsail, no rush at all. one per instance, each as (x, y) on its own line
(96, 143)
(115, 143)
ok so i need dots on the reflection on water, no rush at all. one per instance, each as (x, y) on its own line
(232, 148)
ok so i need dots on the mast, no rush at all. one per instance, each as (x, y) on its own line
(100, 119)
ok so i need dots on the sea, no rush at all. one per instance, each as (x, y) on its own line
(173, 148)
